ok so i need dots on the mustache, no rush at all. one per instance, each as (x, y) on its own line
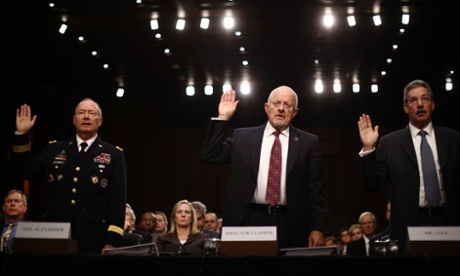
(421, 110)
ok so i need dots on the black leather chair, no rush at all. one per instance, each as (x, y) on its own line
(132, 239)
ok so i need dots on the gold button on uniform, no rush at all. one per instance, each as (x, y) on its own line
(73, 202)
(75, 179)
(77, 169)
(74, 191)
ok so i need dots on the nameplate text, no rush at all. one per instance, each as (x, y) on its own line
(43, 230)
(248, 233)
(433, 233)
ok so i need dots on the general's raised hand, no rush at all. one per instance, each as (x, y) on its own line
(368, 134)
(227, 105)
(24, 119)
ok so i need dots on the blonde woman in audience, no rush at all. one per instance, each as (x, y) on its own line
(183, 238)
(355, 232)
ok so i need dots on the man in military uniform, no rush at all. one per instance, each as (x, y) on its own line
(86, 184)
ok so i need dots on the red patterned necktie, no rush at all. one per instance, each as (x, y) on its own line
(274, 172)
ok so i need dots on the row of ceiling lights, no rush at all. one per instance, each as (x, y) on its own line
(245, 88)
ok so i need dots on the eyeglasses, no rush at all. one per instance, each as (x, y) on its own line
(91, 113)
(414, 100)
(286, 105)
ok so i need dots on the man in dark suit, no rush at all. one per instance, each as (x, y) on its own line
(360, 247)
(14, 210)
(396, 160)
(85, 187)
(301, 214)
(200, 211)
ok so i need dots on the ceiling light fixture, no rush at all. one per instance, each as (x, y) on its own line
(154, 24)
(377, 20)
(180, 25)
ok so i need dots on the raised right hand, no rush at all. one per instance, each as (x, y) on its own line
(24, 119)
(368, 135)
(227, 106)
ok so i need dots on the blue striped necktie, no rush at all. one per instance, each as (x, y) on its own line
(430, 176)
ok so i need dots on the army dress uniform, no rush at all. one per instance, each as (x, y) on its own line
(87, 189)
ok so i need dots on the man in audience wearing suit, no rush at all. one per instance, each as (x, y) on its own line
(200, 211)
(360, 247)
(14, 209)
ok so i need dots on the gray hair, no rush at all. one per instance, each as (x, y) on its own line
(23, 196)
(414, 84)
(99, 109)
(285, 88)
(199, 207)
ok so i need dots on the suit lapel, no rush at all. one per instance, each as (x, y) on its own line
(293, 149)
(256, 144)
(408, 145)
(441, 145)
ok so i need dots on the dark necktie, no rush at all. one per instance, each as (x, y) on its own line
(430, 176)
(6, 237)
(83, 146)
(274, 173)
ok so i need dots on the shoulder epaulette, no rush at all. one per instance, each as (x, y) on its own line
(21, 148)
(118, 148)
(52, 142)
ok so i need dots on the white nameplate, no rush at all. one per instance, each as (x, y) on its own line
(248, 233)
(43, 230)
(433, 233)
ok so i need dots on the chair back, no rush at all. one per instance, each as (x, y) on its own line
(132, 239)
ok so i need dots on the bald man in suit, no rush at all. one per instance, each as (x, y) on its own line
(301, 214)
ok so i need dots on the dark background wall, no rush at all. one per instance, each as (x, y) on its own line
(163, 151)
(162, 142)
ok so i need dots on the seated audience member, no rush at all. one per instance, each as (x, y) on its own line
(344, 239)
(210, 221)
(360, 247)
(200, 211)
(161, 225)
(355, 232)
(14, 209)
(183, 238)
(147, 222)
(130, 225)
(330, 241)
